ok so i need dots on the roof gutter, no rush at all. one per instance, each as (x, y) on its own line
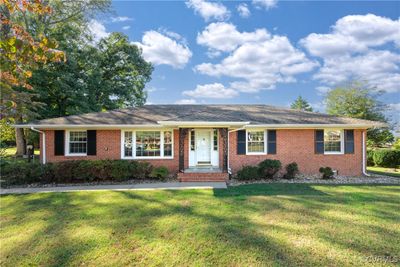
(314, 126)
(43, 143)
(86, 126)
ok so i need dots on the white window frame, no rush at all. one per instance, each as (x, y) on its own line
(341, 152)
(67, 135)
(265, 142)
(134, 144)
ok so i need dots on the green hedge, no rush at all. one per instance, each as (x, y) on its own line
(383, 157)
(265, 169)
(75, 171)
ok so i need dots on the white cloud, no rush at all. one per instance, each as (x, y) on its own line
(209, 10)
(378, 68)
(350, 52)
(127, 27)
(260, 64)
(267, 4)
(214, 90)
(160, 49)
(243, 10)
(222, 36)
(186, 102)
(323, 89)
(98, 30)
(395, 106)
(355, 33)
(121, 19)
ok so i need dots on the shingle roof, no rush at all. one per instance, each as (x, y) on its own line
(152, 114)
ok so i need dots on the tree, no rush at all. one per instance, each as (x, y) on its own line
(301, 104)
(21, 52)
(356, 100)
(110, 75)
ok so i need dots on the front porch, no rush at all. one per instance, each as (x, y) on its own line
(203, 154)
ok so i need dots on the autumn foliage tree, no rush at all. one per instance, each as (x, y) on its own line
(20, 54)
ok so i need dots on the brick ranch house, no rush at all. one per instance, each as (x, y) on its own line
(206, 142)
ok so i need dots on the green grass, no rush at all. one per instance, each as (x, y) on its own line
(251, 225)
(10, 151)
(395, 172)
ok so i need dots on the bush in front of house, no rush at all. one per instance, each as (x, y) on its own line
(386, 157)
(74, 171)
(292, 169)
(327, 172)
(248, 173)
(160, 173)
(269, 167)
(370, 157)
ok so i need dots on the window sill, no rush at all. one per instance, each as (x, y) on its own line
(76, 155)
(147, 157)
(255, 153)
(333, 153)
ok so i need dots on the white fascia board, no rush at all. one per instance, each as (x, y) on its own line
(87, 126)
(311, 126)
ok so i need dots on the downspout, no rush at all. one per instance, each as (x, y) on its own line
(43, 143)
(364, 151)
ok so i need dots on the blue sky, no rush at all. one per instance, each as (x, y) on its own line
(262, 51)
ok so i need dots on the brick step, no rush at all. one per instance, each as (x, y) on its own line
(203, 177)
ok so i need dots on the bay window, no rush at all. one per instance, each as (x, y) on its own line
(147, 144)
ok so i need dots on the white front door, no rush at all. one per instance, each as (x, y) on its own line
(203, 146)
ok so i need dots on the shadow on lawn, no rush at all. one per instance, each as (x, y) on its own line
(219, 222)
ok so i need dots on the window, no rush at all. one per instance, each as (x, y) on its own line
(147, 144)
(192, 140)
(128, 144)
(255, 142)
(215, 140)
(77, 142)
(333, 141)
(167, 143)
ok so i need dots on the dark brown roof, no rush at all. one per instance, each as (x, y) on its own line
(152, 114)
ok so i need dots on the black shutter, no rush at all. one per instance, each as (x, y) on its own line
(59, 142)
(241, 142)
(271, 149)
(348, 141)
(91, 142)
(319, 141)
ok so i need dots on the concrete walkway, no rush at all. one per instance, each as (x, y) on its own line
(119, 187)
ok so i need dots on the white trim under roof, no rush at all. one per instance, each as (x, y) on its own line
(187, 124)
(88, 126)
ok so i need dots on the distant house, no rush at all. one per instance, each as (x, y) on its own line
(205, 142)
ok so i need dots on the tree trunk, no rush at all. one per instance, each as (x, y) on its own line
(20, 138)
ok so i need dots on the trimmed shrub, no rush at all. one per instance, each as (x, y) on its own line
(327, 172)
(160, 173)
(370, 158)
(386, 158)
(248, 173)
(74, 171)
(291, 170)
(268, 168)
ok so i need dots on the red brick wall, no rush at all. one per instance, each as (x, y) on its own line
(298, 146)
(109, 147)
(292, 145)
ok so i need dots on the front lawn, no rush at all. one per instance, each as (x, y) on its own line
(395, 172)
(250, 225)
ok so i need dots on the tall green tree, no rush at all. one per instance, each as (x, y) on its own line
(356, 100)
(110, 75)
(27, 45)
(301, 104)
